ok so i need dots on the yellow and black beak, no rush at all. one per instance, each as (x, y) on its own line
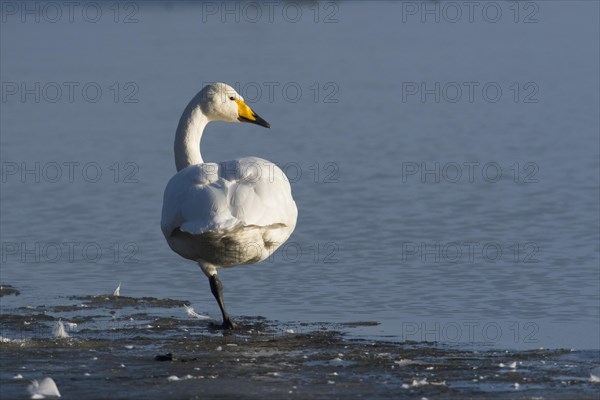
(247, 115)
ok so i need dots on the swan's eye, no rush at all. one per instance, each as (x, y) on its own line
(231, 98)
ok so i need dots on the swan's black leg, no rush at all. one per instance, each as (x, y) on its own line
(217, 290)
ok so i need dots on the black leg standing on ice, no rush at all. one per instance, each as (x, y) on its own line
(216, 288)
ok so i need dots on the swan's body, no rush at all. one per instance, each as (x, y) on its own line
(228, 213)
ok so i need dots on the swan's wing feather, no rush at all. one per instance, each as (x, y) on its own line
(221, 197)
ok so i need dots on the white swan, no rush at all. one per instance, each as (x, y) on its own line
(230, 213)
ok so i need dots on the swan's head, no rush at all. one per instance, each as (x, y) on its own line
(220, 102)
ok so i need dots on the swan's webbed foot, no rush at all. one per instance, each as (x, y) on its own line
(228, 324)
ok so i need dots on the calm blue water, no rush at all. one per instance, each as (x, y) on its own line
(446, 174)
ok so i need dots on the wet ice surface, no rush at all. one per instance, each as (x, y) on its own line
(125, 347)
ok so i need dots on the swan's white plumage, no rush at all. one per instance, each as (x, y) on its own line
(214, 197)
(228, 213)
(247, 201)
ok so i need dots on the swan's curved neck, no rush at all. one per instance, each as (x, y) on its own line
(188, 136)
